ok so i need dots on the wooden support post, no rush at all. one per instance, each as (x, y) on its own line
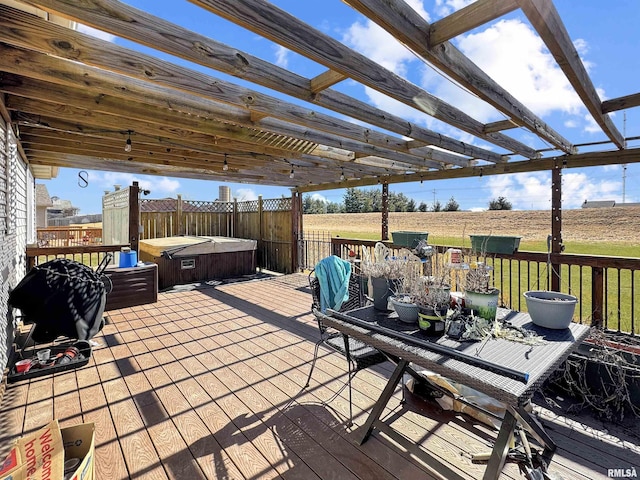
(134, 216)
(385, 211)
(597, 296)
(180, 221)
(296, 227)
(556, 223)
(260, 247)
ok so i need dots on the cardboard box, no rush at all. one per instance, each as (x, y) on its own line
(42, 455)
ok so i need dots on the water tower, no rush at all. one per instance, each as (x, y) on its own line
(224, 194)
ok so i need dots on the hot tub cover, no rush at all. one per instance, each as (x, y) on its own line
(181, 246)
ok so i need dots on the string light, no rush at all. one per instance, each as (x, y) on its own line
(127, 144)
(225, 165)
(292, 173)
(341, 173)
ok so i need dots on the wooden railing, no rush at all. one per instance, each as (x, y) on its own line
(68, 236)
(90, 255)
(605, 286)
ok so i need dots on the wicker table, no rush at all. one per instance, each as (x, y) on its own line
(492, 374)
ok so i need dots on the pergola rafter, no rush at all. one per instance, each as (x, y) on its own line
(76, 97)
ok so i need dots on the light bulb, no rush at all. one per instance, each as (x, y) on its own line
(225, 165)
(292, 173)
(127, 145)
(342, 174)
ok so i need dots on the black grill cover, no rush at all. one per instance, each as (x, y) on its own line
(61, 297)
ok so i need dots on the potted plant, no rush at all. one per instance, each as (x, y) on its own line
(550, 309)
(479, 295)
(432, 294)
(390, 274)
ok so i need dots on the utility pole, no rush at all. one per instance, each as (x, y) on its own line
(434, 197)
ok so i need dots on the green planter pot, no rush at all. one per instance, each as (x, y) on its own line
(494, 244)
(408, 239)
(484, 305)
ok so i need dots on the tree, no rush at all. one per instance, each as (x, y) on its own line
(411, 205)
(353, 201)
(334, 207)
(451, 206)
(422, 207)
(437, 206)
(500, 203)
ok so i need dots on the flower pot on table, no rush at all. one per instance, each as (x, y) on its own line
(382, 289)
(484, 304)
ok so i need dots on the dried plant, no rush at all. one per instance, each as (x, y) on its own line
(404, 267)
(426, 293)
(478, 278)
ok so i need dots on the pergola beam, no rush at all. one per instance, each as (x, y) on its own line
(138, 26)
(621, 103)
(406, 25)
(579, 160)
(277, 25)
(545, 19)
(467, 18)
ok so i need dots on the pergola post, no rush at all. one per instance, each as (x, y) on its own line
(556, 223)
(134, 216)
(296, 227)
(385, 211)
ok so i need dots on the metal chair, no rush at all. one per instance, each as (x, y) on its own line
(358, 354)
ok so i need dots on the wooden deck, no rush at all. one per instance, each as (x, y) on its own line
(206, 383)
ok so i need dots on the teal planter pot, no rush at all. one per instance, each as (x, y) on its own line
(494, 244)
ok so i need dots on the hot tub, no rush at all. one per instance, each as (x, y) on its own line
(190, 259)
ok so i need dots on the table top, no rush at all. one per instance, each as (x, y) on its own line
(537, 361)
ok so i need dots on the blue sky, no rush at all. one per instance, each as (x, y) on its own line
(605, 34)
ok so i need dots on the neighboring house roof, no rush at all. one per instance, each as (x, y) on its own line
(59, 204)
(599, 204)
(42, 196)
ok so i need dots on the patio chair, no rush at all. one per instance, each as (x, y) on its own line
(358, 354)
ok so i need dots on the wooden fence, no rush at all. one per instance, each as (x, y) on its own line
(269, 222)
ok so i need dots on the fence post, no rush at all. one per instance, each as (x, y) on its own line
(597, 296)
(179, 215)
(134, 216)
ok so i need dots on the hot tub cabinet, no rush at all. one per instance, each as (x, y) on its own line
(190, 259)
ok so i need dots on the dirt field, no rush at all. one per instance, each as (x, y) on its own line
(617, 224)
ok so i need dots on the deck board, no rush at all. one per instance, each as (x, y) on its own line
(208, 383)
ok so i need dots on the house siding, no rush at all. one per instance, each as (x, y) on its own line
(14, 231)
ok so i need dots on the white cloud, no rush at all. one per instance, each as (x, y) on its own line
(447, 7)
(376, 44)
(581, 46)
(317, 196)
(533, 190)
(516, 58)
(95, 33)
(245, 194)
(282, 56)
(571, 124)
(159, 186)
(590, 124)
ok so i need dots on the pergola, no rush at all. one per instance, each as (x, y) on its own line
(77, 100)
